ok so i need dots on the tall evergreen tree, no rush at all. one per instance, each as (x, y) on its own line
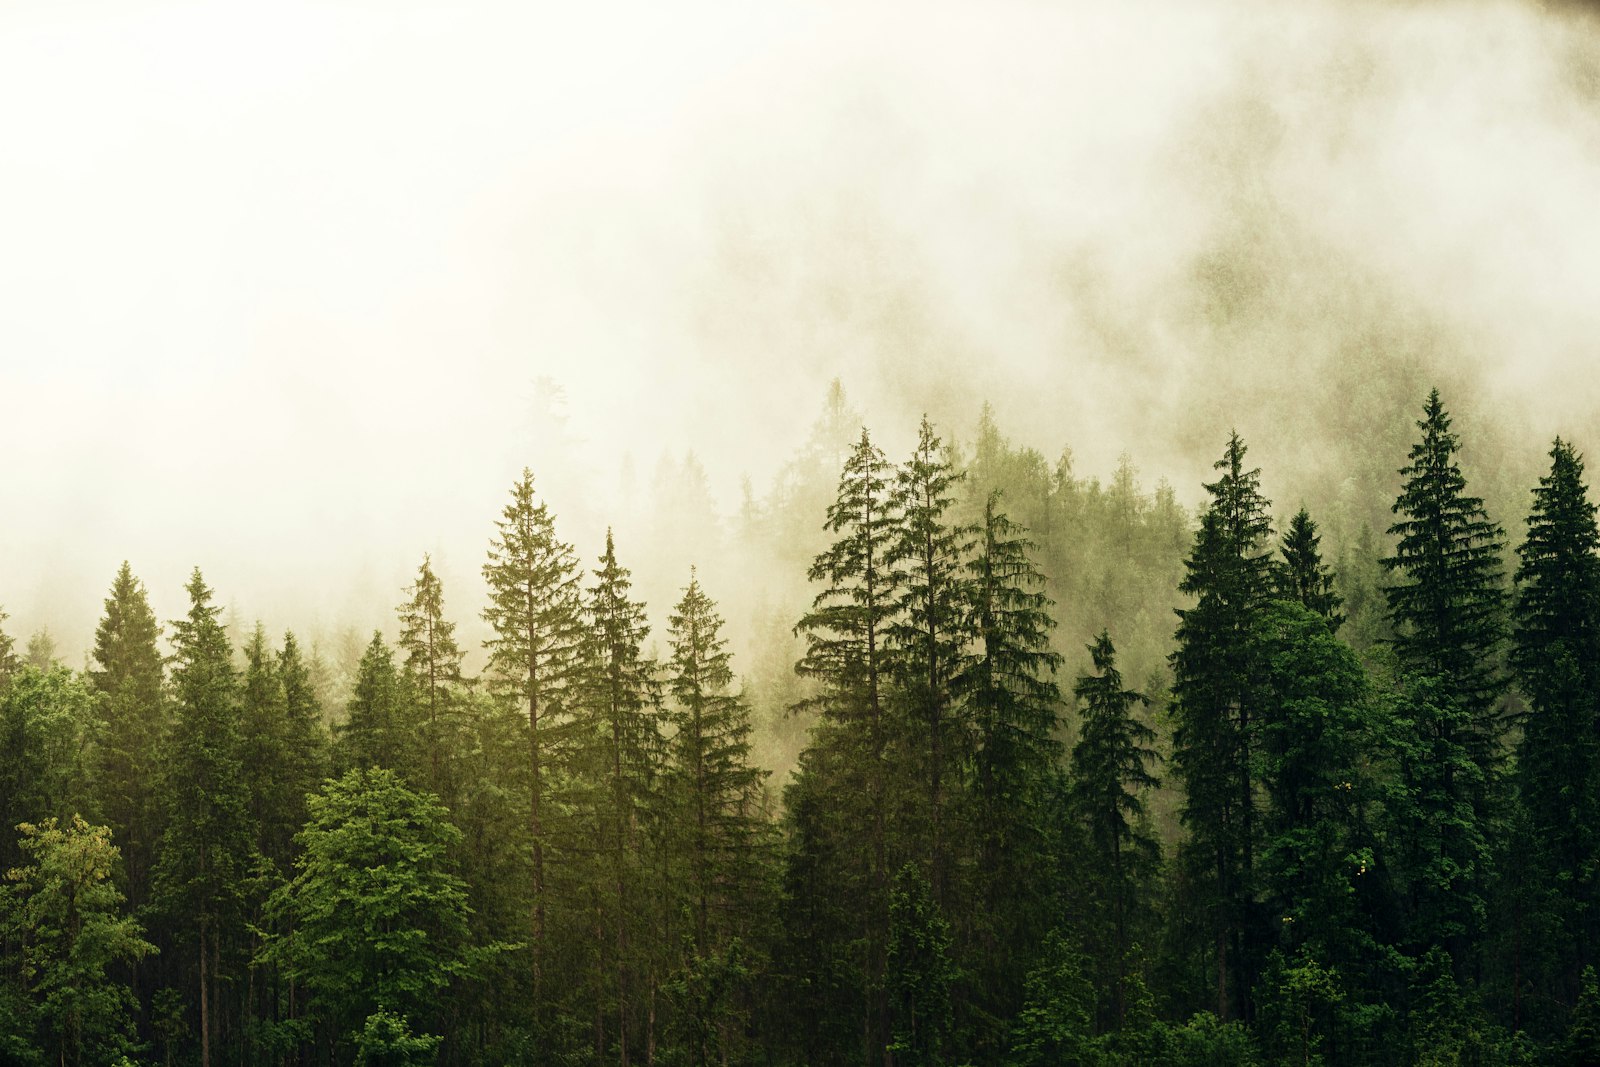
(1445, 600)
(433, 662)
(1303, 577)
(127, 674)
(618, 715)
(380, 728)
(846, 633)
(535, 611)
(1011, 697)
(930, 638)
(1446, 607)
(715, 796)
(1111, 772)
(8, 653)
(1556, 656)
(1216, 677)
(206, 848)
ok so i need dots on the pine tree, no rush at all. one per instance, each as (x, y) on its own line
(619, 724)
(1012, 699)
(127, 674)
(536, 615)
(1110, 773)
(1556, 656)
(206, 852)
(1446, 602)
(930, 638)
(380, 728)
(8, 653)
(1446, 607)
(1303, 577)
(1216, 673)
(715, 801)
(433, 662)
(846, 633)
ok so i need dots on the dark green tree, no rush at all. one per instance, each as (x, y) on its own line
(64, 914)
(931, 635)
(380, 728)
(715, 801)
(921, 972)
(1447, 609)
(127, 675)
(1303, 578)
(206, 852)
(1556, 656)
(1216, 693)
(1111, 772)
(846, 633)
(535, 611)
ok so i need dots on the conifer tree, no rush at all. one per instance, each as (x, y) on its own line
(127, 674)
(618, 715)
(206, 848)
(714, 796)
(1556, 656)
(846, 633)
(1303, 577)
(433, 662)
(8, 653)
(931, 635)
(1446, 607)
(1216, 674)
(921, 971)
(535, 612)
(1110, 773)
(1445, 600)
(1012, 699)
(379, 730)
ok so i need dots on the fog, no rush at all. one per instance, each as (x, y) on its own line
(294, 291)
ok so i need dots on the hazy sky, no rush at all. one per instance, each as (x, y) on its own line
(288, 290)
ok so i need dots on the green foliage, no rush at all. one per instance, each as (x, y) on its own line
(921, 972)
(386, 1040)
(47, 722)
(373, 919)
(62, 916)
(433, 665)
(1582, 1045)
(1303, 578)
(380, 729)
(1300, 1000)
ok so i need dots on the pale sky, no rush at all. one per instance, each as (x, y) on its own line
(279, 282)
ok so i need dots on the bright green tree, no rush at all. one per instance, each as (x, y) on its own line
(63, 913)
(48, 721)
(374, 920)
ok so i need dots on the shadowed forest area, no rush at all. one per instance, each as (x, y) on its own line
(1025, 767)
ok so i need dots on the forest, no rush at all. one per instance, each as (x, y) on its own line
(1044, 770)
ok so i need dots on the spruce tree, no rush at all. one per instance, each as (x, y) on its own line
(1216, 681)
(127, 673)
(206, 848)
(1303, 577)
(715, 801)
(1556, 656)
(1445, 598)
(535, 612)
(931, 636)
(1447, 609)
(379, 730)
(1012, 699)
(846, 633)
(433, 662)
(1111, 772)
(8, 653)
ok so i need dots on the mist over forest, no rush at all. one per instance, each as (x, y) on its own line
(299, 296)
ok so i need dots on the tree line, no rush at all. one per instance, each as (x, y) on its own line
(1285, 846)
